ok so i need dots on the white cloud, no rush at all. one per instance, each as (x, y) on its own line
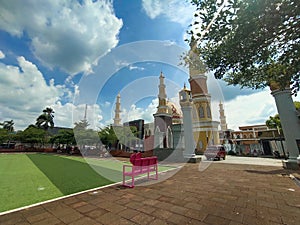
(25, 93)
(131, 67)
(249, 110)
(66, 115)
(135, 113)
(2, 55)
(175, 10)
(64, 34)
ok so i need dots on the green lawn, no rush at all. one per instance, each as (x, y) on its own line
(30, 178)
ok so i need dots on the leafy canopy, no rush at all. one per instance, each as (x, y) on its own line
(250, 42)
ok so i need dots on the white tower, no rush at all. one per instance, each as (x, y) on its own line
(222, 118)
(117, 119)
(162, 119)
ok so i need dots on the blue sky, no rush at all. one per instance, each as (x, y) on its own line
(65, 54)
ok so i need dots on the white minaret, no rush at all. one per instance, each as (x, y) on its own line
(222, 117)
(162, 118)
(117, 119)
(162, 96)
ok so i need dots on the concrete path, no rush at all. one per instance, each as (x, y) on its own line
(222, 193)
(252, 161)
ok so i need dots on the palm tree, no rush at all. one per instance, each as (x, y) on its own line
(81, 125)
(45, 120)
(8, 125)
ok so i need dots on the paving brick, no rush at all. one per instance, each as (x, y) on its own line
(112, 207)
(38, 217)
(178, 219)
(199, 215)
(86, 208)
(96, 213)
(79, 204)
(158, 222)
(108, 218)
(85, 221)
(12, 218)
(162, 214)
(128, 213)
(142, 218)
(212, 219)
(178, 209)
(48, 221)
(69, 218)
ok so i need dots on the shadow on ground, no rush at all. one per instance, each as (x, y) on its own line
(271, 172)
(71, 176)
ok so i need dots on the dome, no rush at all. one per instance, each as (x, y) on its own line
(175, 112)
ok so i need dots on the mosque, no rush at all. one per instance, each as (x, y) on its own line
(167, 130)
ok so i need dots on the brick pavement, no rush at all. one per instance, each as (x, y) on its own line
(221, 194)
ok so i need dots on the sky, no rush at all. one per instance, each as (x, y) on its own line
(76, 53)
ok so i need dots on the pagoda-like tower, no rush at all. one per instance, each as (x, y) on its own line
(205, 129)
(117, 119)
(222, 118)
(162, 118)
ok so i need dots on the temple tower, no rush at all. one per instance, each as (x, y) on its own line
(162, 119)
(205, 129)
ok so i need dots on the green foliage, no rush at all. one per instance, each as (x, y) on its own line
(110, 135)
(297, 105)
(4, 135)
(274, 121)
(64, 136)
(250, 42)
(33, 135)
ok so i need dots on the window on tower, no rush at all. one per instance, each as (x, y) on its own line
(201, 112)
(208, 112)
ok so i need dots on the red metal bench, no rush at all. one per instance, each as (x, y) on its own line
(139, 166)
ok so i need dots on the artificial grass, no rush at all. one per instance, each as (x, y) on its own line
(26, 179)
(30, 178)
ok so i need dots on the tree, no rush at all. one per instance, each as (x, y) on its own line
(4, 136)
(274, 121)
(81, 125)
(64, 136)
(33, 135)
(297, 105)
(6, 133)
(108, 136)
(45, 120)
(250, 43)
(111, 136)
(8, 125)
